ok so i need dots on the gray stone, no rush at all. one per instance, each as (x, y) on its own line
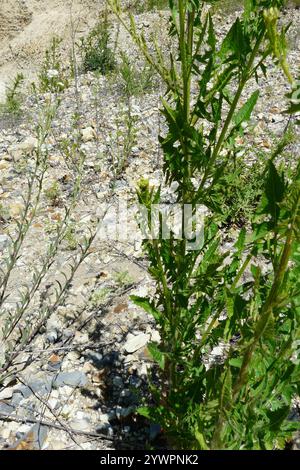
(96, 358)
(72, 379)
(6, 409)
(105, 428)
(124, 412)
(154, 431)
(4, 242)
(118, 382)
(80, 424)
(52, 336)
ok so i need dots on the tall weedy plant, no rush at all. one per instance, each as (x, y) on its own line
(246, 300)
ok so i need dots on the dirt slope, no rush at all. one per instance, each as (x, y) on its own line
(27, 26)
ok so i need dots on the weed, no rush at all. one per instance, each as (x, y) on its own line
(202, 299)
(135, 81)
(97, 56)
(148, 5)
(122, 140)
(21, 322)
(99, 296)
(70, 238)
(122, 278)
(53, 193)
(13, 95)
(52, 76)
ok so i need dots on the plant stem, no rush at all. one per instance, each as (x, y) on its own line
(232, 109)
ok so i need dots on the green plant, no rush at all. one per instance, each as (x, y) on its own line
(122, 278)
(53, 193)
(52, 76)
(135, 81)
(96, 52)
(21, 321)
(13, 95)
(237, 193)
(99, 296)
(4, 213)
(245, 300)
(139, 6)
(122, 140)
(70, 238)
(228, 6)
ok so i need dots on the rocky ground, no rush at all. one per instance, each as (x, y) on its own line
(79, 381)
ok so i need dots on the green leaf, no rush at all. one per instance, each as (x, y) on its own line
(275, 186)
(239, 245)
(236, 362)
(211, 33)
(245, 112)
(278, 416)
(157, 355)
(274, 193)
(147, 306)
(144, 411)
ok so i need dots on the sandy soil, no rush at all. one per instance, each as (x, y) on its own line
(27, 26)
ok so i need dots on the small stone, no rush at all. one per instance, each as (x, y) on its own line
(124, 412)
(71, 379)
(4, 165)
(129, 359)
(81, 424)
(81, 338)
(154, 431)
(155, 336)
(88, 134)
(52, 336)
(105, 428)
(134, 343)
(96, 358)
(4, 241)
(118, 382)
(143, 371)
(24, 148)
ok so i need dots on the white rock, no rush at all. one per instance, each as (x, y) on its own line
(155, 336)
(80, 424)
(24, 148)
(81, 338)
(143, 370)
(88, 134)
(4, 165)
(104, 418)
(7, 393)
(134, 343)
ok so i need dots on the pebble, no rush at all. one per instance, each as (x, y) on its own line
(4, 242)
(71, 379)
(134, 343)
(88, 134)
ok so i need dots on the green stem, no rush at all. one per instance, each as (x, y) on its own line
(243, 81)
